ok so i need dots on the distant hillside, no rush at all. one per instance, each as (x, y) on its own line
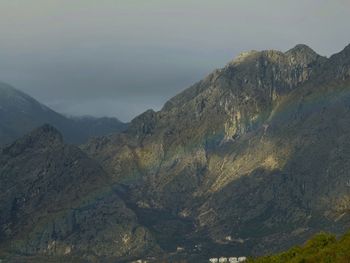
(92, 126)
(20, 113)
(321, 248)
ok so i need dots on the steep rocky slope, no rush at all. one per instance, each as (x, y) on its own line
(20, 113)
(255, 155)
(56, 202)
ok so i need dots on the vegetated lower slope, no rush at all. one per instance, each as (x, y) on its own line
(255, 155)
(321, 248)
(56, 203)
(20, 113)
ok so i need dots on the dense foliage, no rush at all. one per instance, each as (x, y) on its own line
(322, 247)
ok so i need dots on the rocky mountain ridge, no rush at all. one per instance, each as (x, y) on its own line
(228, 153)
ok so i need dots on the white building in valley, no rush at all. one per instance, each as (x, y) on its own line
(228, 260)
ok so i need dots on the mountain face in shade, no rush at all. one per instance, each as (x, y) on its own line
(254, 155)
(55, 201)
(20, 113)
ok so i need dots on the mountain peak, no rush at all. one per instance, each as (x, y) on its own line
(144, 123)
(5, 87)
(7, 91)
(48, 132)
(42, 137)
(243, 56)
(346, 50)
(301, 48)
(302, 54)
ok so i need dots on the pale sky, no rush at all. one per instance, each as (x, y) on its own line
(121, 57)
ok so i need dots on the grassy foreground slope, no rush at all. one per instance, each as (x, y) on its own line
(323, 247)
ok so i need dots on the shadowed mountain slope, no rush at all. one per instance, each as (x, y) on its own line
(56, 202)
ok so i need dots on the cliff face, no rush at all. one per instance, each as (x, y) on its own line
(55, 201)
(255, 154)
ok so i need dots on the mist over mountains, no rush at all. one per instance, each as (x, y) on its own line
(20, 113)
(250, 160)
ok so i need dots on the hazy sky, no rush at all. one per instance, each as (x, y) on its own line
(121, 57)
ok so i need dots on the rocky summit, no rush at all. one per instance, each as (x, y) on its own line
(250, 160)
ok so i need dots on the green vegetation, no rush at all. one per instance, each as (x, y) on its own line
(322, 247)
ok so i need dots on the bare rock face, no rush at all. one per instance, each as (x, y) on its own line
(255, 151)
(55, 201)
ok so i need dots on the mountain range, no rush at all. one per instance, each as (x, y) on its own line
(250, 160)
(20, 113)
